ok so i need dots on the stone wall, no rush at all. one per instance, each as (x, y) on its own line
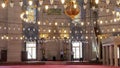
(10, 17)
(11, 27)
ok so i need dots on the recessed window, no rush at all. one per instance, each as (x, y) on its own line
(31, 50)
(77, 49)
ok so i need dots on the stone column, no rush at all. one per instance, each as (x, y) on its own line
(107, 57)
(115, 55)
(110, 55)
(103, 54)
(99, 52)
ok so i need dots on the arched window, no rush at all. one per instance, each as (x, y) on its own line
(77, 49)
(31, 50)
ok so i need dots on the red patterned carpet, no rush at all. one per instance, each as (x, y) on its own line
(58, 66)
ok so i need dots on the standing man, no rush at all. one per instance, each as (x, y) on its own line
(61, 55)
(72, 55)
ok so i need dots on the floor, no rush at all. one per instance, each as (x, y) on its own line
(58, 66)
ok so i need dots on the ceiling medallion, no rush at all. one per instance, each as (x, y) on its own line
(72, 9)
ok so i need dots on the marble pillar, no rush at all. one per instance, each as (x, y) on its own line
(111, 56)
(115, 55)
(103, 50)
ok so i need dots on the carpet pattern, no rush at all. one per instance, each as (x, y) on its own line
(58, 66)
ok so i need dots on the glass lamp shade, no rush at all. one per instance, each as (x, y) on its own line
(118, 2)
(11, 4)
(21, 3)
(51, 2)
(62, 1)
(72, 11)
(85, 1)
(4, 3)
(40, 2)
(30, 2)
(107, 1)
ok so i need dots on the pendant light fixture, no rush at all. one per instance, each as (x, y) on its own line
(85, 1)
(97, 1)
(40, 2)
(107, 2)
(11, 3)
(72, 9)
(21, 3)
(3, 4)
(30, 2)
(62, 1)
(51, 2)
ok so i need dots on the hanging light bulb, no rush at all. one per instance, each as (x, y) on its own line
(107, 10)
(101, 22)
(75, 6)
(54, 37)
(118, 2)
(26, 12)
(93, 7)
(49, 30)
(46, 7)
(82, 23)
(96, 1)
(62, 1)
(74, 1)
(21, 3)
(30, 2)
(65, 31)
(113, 29)
(51, 2)
(117, 14)
(84, 6)
(101, 9)
(65, 6)
(21, 38)
(40, 2)
(86, 37)
(55, 6)
(39, 8)
(56, 23)
(2, 37)
(107, 2)
(11, 3)
(39, 22)
(3, 4)
(85, 1)
(115, 20)
(7, 37)
(113, 12)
